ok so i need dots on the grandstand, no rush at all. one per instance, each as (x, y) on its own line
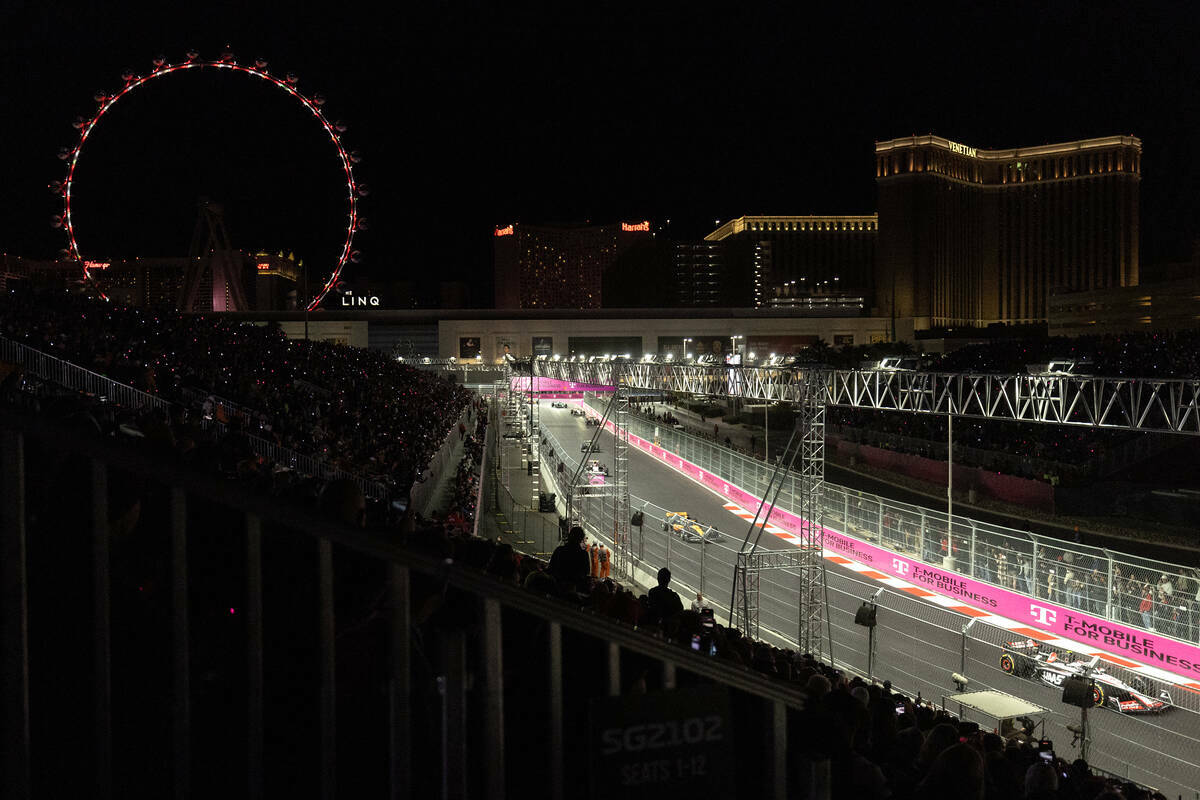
(191, 612)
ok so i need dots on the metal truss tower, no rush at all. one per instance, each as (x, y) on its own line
(608, 501)
(807, 444)
(533, 440)
(622, 547)
(214, 267)
(501, 392)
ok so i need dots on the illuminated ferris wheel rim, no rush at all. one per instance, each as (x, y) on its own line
(259, 70)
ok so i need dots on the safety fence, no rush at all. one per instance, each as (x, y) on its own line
(78, 379)
(422, 495)
(1153, 595)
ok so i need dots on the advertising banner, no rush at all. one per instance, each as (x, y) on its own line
(1165, 653)
(468, 346)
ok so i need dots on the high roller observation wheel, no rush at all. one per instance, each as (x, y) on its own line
(355, 191)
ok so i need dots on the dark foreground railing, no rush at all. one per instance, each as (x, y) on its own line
(168, 632)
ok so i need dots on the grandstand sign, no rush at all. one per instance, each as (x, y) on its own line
(666, 744)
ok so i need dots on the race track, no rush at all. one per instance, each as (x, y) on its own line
(918, 644)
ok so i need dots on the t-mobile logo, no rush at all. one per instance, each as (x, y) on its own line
(1044, 616)
(900, 566)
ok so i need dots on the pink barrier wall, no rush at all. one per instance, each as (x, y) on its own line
(1177, 657)
(1009, 488)
(556, 385)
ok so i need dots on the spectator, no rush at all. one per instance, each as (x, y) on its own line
(664, 604)
(956, 774)
(569, 563)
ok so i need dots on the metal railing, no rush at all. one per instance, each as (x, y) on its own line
(72, 376)
(421, 495)
(1099, 581)
(78, 379)
(192, 753)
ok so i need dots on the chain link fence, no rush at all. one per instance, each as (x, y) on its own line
(1116, 586)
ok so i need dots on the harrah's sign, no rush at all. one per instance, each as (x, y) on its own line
(1165, 653)
(633, 227)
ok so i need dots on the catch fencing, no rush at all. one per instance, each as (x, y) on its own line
(1098, 581)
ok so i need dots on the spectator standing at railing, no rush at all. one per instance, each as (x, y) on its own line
(1145, 608)
(664, 604)
(569, 563)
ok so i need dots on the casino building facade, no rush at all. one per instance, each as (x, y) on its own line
(969, 237)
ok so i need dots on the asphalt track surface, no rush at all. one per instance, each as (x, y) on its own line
(918, 645)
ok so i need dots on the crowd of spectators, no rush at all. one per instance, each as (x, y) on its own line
(1152, 354)
(460, 510)
(1149, 354)
(354, 408)
(879, 743)
(1053, 453)
(872, 750)
(371, 415)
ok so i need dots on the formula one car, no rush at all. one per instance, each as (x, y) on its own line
(578, 412)
(597, 473)
(1031, 660)
(689, 529)
(558, 404)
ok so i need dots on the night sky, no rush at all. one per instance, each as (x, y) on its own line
(469, 116)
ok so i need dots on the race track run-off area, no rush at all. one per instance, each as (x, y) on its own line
(919, 637)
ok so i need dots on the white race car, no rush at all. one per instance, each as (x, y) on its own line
(1029, 659)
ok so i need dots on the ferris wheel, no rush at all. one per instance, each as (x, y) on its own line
(314, 103)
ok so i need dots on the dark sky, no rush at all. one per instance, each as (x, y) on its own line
(469, 116)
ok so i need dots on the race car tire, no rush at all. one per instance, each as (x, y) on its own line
(1008, 664)
(1098, 696)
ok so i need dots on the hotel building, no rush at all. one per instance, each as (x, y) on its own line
(969, 237)
(558, 266)
(796, 261)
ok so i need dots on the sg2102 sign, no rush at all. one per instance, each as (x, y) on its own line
(664, 744)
